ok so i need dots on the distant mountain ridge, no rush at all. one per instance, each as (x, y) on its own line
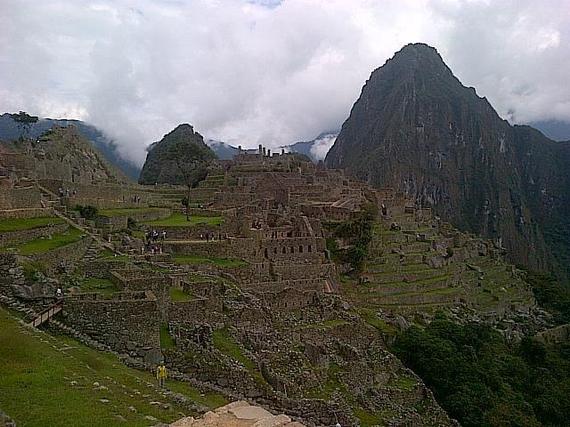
(417, 129)
(11, 130)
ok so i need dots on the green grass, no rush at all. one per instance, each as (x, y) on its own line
(179, 295)
(210, 400)
(326, 324)
(367, 418)
(372, 319)
(220, 262)
(224, 342)
(404, 383)
(109, 254)
(16, 224)
(126, 211)
(179, 219)
(31, 268)
(43, 245)
(331, 385)
(36, 375)
(166, 341)
(100, 286)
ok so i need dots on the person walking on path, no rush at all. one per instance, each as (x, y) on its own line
(161, 375)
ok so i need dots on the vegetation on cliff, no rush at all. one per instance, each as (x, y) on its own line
(481, 380)
(356, 235)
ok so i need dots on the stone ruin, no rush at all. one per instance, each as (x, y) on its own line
(268, 315)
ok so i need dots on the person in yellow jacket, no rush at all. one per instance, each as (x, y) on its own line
(161, 374)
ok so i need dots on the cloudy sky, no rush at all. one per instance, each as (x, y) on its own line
(265, 71)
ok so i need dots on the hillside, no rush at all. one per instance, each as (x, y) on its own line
(417, 129)
(12, 130)
(61, 153)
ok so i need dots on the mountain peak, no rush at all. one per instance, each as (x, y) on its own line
(415, 59)
(168, 159)
(418, 129)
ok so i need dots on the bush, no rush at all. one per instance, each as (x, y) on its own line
(358, 233)
(87, 212)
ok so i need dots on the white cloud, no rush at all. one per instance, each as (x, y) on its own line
(263, 70)
(322, 146)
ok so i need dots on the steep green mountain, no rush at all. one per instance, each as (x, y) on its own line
(176, 157)
(12, 129)
(417, 129)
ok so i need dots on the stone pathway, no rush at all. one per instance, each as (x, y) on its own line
(238, 414)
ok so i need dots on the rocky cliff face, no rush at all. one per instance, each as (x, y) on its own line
(173, 159)
(417, 129)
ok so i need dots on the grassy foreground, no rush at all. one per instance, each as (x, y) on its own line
(50, 380)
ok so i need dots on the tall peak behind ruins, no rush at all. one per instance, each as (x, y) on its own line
(168, 158)
(418, 129)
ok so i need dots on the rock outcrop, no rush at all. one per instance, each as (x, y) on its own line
(416, 128)
(238, 414)
(174, 158)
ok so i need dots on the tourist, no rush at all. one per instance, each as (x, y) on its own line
(59, 293)
(163, 235)
(161, 375)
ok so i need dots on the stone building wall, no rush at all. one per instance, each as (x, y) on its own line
(145, 280)
(289, 299)
(120, 222)
(20, 198)
(558, 335)
(129, 323)
(316, 284)
(204, 248)
(11, 276)
(197, 311)
(26, 213)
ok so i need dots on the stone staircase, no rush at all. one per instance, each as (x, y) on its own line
(14, 304)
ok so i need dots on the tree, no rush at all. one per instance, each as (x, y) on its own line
(24, 121)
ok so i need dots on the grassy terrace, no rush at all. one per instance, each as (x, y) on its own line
(179, 295)
(220, 262)
(125, 211)
(100, 286)
(50, 380)
(43, 245)
(16, 224)
(179, 219)
(166, 340)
